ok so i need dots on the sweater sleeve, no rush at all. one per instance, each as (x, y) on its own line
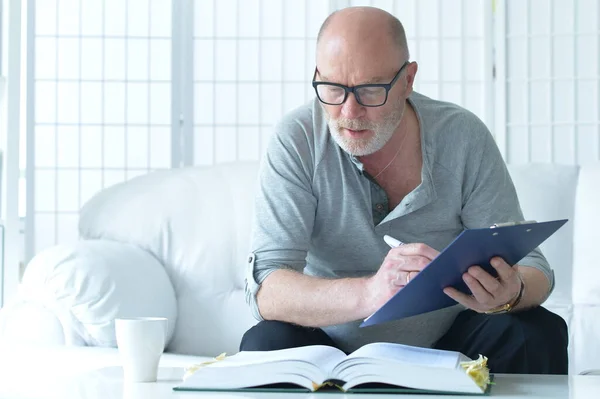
(285, 208)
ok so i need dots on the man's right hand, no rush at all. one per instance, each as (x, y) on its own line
(290, 296)
(400, 265)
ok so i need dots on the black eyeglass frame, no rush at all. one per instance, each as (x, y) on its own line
(353, 89)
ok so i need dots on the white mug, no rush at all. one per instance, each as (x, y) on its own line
(141, 342)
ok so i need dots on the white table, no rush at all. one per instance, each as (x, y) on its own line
(107, 383)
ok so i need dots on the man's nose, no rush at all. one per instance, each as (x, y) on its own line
(351, 109)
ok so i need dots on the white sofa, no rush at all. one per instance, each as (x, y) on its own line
(174, 243)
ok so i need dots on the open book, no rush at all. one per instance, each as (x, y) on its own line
(377, 367)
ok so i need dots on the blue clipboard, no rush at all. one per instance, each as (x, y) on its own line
(424, 293)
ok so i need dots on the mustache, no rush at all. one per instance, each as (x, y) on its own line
(353, 124)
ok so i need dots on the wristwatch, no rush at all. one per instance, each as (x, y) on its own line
(507, 307)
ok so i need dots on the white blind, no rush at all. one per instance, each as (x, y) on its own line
(102, 105)
(446, 38)
(253, 62)
(552, 80)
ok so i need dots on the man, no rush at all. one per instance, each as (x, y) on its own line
(360, 162)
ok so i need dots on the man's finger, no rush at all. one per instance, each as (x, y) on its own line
(416, 249)
(480, 293)
(489, 283)
(505, 271)
(409, 263)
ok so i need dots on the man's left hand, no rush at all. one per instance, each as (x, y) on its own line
(488, 292)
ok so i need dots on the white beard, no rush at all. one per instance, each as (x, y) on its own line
(382, 133)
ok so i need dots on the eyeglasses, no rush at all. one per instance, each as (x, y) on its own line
(367, 95)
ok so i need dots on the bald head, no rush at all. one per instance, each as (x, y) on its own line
(360, 27)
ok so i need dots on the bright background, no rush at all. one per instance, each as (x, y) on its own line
(105, 90)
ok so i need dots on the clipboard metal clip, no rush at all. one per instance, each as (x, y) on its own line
(512, 223)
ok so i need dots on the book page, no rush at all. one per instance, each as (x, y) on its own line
(261, 375)
(406, 366)
(319, 355)
(409, 354)
(303, 366)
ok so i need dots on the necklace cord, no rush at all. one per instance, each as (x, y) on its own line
(392, 160)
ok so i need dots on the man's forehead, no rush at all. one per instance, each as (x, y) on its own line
(338, 61)
(382, 75)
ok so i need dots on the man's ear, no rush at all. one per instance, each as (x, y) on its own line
(411, 72)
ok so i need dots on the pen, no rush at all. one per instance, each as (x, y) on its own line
(392, 242)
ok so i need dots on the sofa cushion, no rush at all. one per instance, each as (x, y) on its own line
(587, 239)
(22, 321)
(89, 284)
(585, 329)
(584, 338)
(547, 192)
(196, 221)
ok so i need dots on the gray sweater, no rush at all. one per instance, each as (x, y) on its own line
(317, 211)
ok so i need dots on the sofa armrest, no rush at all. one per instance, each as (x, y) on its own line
(83, 288)
(22, 321)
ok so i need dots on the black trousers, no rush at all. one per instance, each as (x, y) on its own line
(533, 341)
